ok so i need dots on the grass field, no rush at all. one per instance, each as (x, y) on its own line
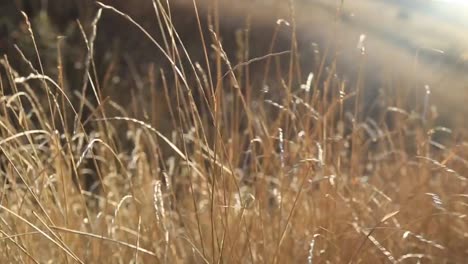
(236, 157)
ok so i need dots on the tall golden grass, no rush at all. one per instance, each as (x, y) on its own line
(200, 167)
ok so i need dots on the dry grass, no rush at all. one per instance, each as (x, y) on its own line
(201, 168)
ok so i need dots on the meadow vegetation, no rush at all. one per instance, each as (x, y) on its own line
(229, 158)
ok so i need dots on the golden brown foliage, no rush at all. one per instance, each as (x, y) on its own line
(229, 156)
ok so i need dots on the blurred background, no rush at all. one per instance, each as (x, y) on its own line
(391, 44)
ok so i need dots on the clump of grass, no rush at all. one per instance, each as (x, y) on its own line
(230, 175)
